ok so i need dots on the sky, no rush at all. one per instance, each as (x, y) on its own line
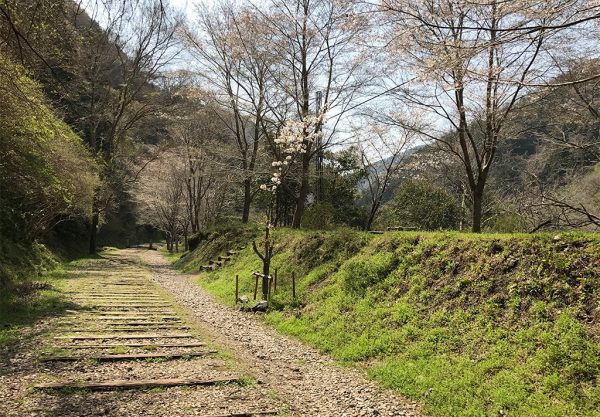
(182, 4)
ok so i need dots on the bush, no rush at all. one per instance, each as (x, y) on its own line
(421, 204)
(319, 216)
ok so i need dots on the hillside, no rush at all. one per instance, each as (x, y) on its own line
(488, 325)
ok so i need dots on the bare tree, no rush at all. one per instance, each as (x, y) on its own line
(234, 60)
(382, 153)
(160, 197)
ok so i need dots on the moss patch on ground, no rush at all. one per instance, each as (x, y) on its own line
(468, 325)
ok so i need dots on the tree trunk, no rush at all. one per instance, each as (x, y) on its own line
(265, 280)
(371, 218)
(247, 200)
(94, 232)
(303, 192)
(477, 210)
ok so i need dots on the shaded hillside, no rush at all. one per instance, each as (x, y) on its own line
(47, 173)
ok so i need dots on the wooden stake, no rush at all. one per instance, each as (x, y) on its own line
(255, 287)
(237, 287)
(269, 292)
(294, 285)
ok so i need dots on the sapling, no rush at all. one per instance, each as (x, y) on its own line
(291, 144)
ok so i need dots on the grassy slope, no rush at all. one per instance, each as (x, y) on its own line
(35, 291)
(469, 325)
(22, 309)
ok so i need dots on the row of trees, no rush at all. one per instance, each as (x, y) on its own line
(460, 76)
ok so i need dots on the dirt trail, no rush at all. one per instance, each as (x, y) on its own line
(310, 383)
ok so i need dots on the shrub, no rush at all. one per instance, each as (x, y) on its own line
(421, 204)
(319, 216)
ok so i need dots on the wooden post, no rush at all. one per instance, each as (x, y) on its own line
(270, 285)
(237, 287)
(255, 287)
(294, 285)
(275, 282)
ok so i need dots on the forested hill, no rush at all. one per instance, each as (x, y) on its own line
(546, 174)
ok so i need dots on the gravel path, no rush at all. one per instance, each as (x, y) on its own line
(311, 383)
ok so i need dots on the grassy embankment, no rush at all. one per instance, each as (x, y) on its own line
(32, 288)
(468, 325)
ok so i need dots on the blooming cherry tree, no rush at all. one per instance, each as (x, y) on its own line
(293, 141)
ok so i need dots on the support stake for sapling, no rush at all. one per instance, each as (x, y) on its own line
(255, 287)
(237, 288)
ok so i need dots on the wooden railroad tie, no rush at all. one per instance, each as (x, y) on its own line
(112, 294)
(136, 304)
(132, 345)
(126, 356)
(141, 383)
(128, 336)
(168, 319)
(245, 414)
(118, 296)
(134, 323)
(124, 329)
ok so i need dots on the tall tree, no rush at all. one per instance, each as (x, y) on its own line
(471, 63)
(320, 66)
(235, 62)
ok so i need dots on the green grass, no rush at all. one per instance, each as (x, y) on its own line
(468, 325)
(118, 350)
(23, 307)
(172, 257)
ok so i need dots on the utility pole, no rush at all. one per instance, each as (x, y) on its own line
(319, 159)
